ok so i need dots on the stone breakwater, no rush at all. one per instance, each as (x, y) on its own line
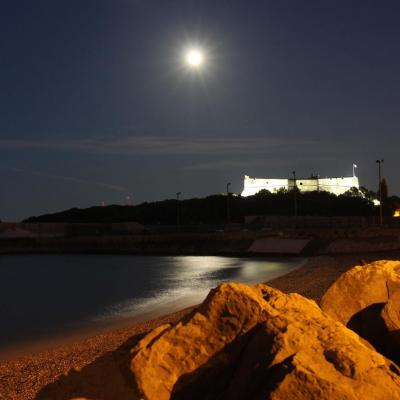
(256, 342)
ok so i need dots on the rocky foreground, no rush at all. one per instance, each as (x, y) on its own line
(255, 342)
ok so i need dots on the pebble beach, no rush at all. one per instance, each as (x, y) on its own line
(91, 367)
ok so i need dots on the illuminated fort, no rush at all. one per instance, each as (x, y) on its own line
(315, 183)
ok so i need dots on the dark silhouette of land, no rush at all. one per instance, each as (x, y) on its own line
(214, 209)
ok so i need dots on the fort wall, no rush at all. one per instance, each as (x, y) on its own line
(336, 186)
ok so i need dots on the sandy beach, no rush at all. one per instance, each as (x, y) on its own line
(92, 367)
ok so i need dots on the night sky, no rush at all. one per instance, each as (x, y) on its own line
(96, 103)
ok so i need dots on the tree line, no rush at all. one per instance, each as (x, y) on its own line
(216, 209)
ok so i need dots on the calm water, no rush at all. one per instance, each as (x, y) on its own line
(44, 295)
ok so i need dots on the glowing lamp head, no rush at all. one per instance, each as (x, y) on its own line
(194, 58)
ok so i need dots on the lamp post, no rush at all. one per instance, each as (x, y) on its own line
(228, 211)
(295, 193)
(379, 162)
(177, 208)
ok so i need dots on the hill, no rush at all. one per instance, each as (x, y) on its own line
(213, 209)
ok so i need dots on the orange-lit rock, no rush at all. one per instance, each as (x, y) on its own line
(366, 299)
(361, 287)
(391, 316)
(254, 342)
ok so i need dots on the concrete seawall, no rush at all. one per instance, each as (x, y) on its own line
(138, 244)
(81, 238)
(173, 244)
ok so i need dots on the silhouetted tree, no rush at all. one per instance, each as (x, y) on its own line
(384, 190)
(212, 209)
(386, 206)
(353, 192)
(263, 193)
(368, 194)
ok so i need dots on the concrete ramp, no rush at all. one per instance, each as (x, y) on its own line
(278, 246)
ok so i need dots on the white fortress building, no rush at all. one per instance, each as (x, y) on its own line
(332, 185)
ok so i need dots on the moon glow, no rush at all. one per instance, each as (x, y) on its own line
(194, 58)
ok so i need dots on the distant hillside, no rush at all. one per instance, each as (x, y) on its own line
(213, 209)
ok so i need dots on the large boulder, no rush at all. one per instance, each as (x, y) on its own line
(361, 287)
(366, 299)
(255, 342)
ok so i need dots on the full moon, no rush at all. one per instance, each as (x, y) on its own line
(194, 58)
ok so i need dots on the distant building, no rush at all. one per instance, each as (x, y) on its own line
(332, 185)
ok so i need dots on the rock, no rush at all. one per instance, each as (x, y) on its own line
(255, 342)
(361, 287)
(359, 299)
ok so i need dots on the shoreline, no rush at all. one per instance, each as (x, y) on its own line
(23, 377)
(95, 324)
(22, 348)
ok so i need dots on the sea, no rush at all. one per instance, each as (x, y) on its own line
(42, 296)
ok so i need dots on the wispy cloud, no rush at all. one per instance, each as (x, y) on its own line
(66, 178)
(206, 153)
(158, 145)
(234, 164)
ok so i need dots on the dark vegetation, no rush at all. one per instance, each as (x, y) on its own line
(213, 209)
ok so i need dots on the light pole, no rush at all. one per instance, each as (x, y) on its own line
(295, 193)
(379, 162)
(177, 208)
(228, 211)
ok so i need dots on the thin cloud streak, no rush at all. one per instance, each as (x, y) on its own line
(66, 178)
(233, 164)
(268, 160)
(158, 145)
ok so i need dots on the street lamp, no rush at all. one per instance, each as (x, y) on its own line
(228, 211)
(295, 194)
(379, 162)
